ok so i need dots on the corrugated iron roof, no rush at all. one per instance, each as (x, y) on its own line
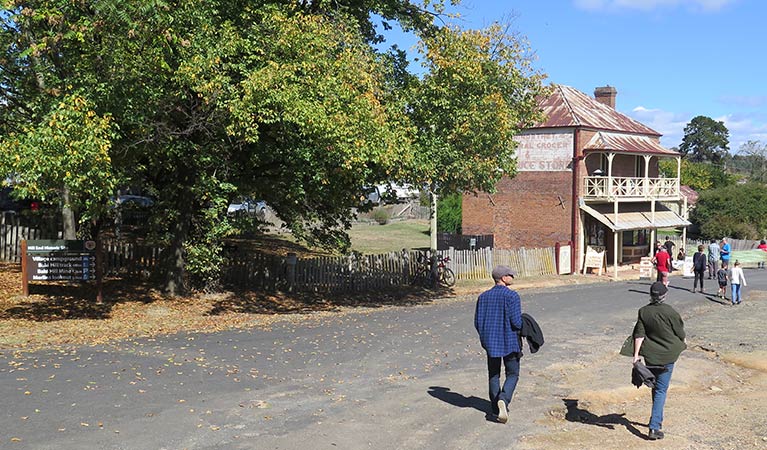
(635, 216)
(569, 107)
(631, 143)
(691, 194)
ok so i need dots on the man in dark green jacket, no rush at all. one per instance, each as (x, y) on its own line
(659, 338)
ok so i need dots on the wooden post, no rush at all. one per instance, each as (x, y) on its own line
(291, 262)
(99, 273)
(24, 269)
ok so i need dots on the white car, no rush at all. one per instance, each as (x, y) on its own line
(248, 206)
(398, 192)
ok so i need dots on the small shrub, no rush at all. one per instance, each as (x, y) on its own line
(381, 216)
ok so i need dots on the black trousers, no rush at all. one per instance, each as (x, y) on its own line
(698, 277)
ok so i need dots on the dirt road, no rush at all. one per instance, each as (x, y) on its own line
(400, 377)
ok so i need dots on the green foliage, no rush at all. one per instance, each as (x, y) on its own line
(381, 216)
(705, 139)
(199, 102)
(738, 211)
(449, 215)
(68, 148)
(478, 92)
(700, 176)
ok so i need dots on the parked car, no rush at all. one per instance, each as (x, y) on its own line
(248, 206)
(134, 201)
(370, 196)
(397, 193)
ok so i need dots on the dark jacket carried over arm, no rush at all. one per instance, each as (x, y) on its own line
(532, 332)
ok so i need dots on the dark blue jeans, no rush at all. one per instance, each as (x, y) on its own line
(662, 381)
(511, 364)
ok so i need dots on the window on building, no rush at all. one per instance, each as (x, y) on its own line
(595, 232)
(636, 238)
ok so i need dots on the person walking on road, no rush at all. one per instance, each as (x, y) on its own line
(714, 253)
(699, 264)
(498, 320)
(736, 279)
(662, 262)
(659, 338)
(721, 279)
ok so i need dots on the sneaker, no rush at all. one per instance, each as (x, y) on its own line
(655, 435)
(503, 414)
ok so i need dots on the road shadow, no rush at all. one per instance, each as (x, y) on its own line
(716, 299)
(577, 414)
(461, 401)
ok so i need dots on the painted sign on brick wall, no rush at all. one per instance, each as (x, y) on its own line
(544, 151)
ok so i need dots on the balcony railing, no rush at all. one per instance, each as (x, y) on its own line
(627, 188)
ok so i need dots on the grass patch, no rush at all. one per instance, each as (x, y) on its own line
(371, 239)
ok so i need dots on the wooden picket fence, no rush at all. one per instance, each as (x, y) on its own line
(15, 228)
(360, 273)
(352, 273)
(129, 259)
(478, 264)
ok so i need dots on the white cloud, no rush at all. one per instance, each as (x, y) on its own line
(744, 128)
(670, 125)
(648, 5)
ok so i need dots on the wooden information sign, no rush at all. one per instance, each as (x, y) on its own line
(57, 260)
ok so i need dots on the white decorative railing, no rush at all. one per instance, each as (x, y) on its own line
(602, 187)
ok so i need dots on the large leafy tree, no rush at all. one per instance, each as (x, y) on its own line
(478, 92)
(705, 139)
(285, 101)
(282, 100)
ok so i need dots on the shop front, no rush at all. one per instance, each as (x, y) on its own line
(626, 231)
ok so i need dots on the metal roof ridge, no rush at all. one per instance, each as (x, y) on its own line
(575, 116)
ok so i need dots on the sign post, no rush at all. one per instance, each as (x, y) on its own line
(57, 260)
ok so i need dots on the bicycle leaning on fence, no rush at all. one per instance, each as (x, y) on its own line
(423, 275)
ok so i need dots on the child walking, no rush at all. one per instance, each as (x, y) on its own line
(736, 280)
(721, 278)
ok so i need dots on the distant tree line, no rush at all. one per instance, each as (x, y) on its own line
(732, 187)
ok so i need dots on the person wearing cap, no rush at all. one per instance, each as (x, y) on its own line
(498, 321)
(659, 338)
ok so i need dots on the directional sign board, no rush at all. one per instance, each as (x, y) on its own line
(60, 260)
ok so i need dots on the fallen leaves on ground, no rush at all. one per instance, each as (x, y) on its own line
(56, 314)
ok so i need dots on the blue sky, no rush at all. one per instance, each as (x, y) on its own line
(670, 60)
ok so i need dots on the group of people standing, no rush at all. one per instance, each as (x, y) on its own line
(722, 273)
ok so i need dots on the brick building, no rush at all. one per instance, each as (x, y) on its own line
(586, 175)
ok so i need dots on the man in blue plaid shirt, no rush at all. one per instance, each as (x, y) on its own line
(498, 320)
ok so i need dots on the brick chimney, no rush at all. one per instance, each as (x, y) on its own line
(606, 95)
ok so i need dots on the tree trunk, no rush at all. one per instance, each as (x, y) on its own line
(174, 256)
(68, 216)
